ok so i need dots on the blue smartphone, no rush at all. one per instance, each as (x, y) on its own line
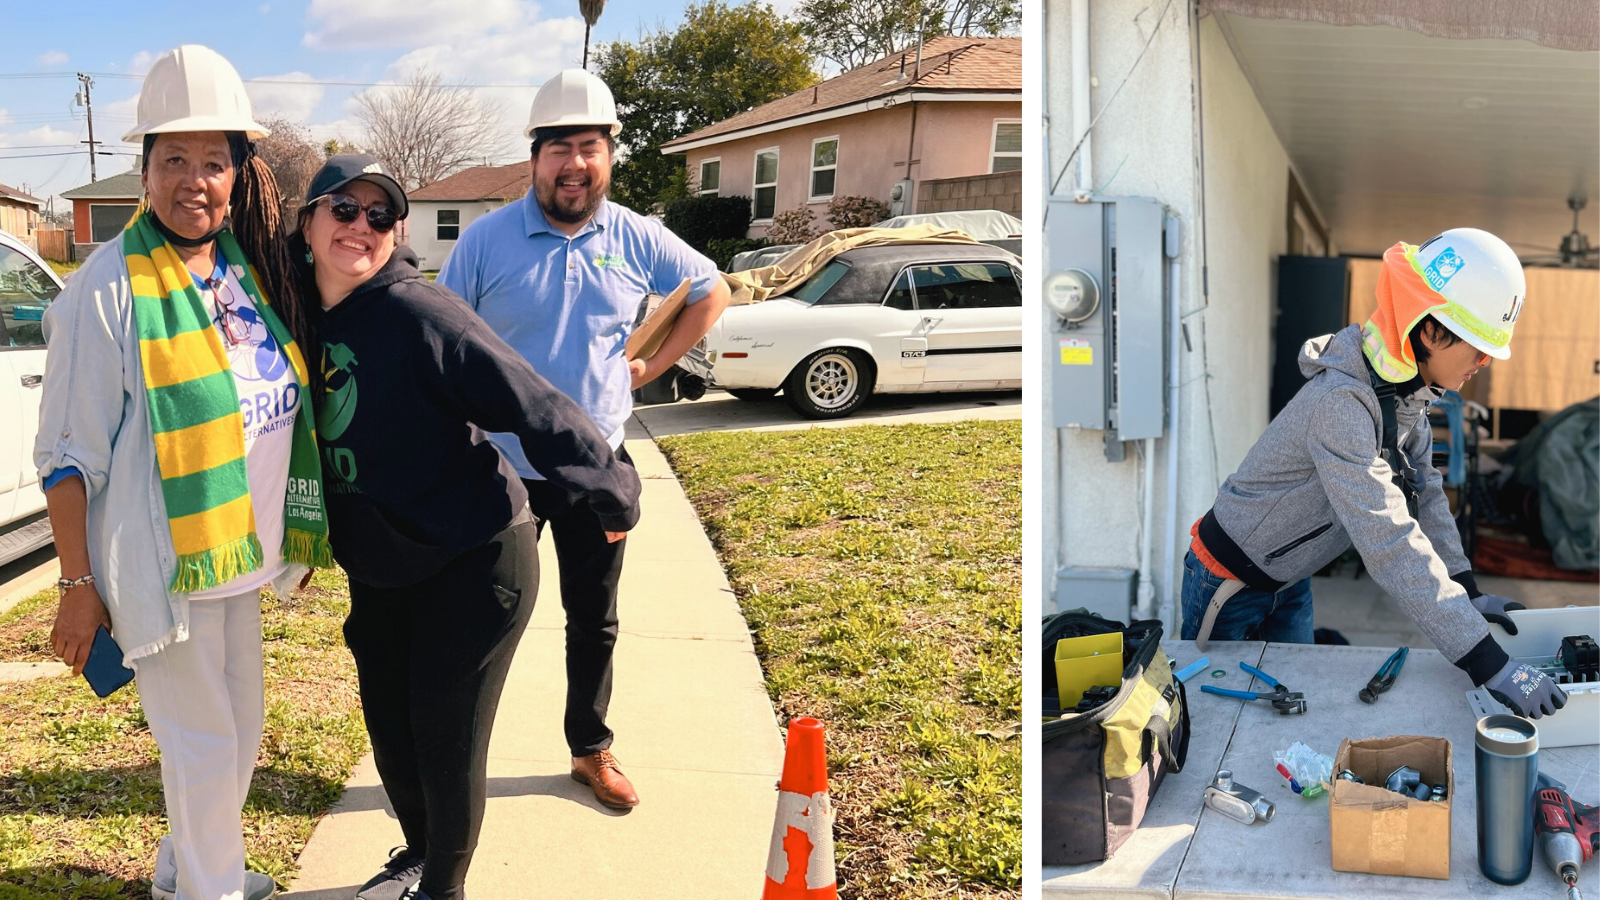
(104, 671)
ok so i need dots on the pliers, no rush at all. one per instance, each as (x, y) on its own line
(1285, 701)
(1385, 677)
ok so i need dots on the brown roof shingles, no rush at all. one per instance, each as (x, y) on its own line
(951, 63)
(11, 193)
(480, 183)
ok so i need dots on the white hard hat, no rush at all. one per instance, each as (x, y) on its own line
(193, 88)
(1482, 280)
(573, 97)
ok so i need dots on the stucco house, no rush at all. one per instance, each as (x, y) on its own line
(933, 128)
(19, 214)
(101, 208)
(444, 209)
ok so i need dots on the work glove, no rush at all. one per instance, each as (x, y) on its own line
(1526, 691)
(1494, 608)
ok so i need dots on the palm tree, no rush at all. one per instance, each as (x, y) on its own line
(591, 14)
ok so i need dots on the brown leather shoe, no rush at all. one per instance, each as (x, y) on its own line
(600, 772)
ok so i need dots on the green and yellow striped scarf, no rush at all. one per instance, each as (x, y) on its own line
(198, 428)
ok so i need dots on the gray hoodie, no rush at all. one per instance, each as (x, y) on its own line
(1314, 484)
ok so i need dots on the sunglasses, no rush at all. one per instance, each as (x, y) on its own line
(345, 209)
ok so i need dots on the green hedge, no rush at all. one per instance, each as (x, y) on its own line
(723, 251)
(701, 220)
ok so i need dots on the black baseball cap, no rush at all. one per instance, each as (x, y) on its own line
(343, 168)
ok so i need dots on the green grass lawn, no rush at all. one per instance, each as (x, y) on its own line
(63, 269)
(880, 571)
(81, 806)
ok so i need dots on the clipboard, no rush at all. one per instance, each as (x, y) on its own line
(648, 337)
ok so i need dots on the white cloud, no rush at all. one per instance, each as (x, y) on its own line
(52, 58)
(507, 42)
(141, 62)
(289, 100)
(264, 8)
(5, 116)
(383, 23)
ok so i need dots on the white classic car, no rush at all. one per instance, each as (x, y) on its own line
(893, 318)
(27, 286)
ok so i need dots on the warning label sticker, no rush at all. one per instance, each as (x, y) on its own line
(1076, 352)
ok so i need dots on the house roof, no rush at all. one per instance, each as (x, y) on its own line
(479, 183)
(126, 186)
(10, 193)
(950, 64)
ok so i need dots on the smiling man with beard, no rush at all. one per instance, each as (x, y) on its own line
(560, 277)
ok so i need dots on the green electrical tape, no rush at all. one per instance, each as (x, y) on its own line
(1219, 673)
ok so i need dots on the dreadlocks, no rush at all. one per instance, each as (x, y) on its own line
(258, 224)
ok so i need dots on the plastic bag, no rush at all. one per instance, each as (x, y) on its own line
(1306, 765)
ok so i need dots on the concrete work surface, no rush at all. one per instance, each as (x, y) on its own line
(695, 734)
(719, 411)
(1187, 852)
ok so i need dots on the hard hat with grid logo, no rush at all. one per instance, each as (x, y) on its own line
(193, 88)
(1481, 282)
(574, 97)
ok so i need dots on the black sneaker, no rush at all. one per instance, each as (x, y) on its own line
(399, 876)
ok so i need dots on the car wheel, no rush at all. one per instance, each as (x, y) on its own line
(753, 393)
(830, 384)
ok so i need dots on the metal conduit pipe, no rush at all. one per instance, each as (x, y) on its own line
(1080, 97)
(1169, 569)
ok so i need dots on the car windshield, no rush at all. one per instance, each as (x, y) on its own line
(819, 284)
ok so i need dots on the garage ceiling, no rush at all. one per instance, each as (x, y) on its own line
(1397, 135)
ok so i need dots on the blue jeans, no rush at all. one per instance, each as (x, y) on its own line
(1251, 614)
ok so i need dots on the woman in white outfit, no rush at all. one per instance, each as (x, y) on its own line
(179, 467)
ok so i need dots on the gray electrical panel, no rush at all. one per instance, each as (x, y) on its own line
(1109, 369)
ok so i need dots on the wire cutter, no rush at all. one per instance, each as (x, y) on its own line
(1285, 701)
(1385, 677)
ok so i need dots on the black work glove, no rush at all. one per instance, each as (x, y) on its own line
(1526, 691)
(1494, 608)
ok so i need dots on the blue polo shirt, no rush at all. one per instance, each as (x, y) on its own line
(568, 304)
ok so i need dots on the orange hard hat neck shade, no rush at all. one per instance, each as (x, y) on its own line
(1404, 299)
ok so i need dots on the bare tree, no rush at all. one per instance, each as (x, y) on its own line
(427, 128)
(292, 156)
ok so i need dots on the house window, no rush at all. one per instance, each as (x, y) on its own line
(1007, 143)
(710, 176)
(766, 184)
(106, 220)
(449, 224)
(824, 163)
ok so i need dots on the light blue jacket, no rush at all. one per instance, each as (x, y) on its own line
(94, 417)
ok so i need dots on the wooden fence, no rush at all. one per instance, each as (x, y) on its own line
(55, 243)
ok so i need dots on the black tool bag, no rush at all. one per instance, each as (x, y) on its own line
(1101, 769)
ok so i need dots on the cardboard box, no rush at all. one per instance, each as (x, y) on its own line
(648, 337)
(1373, 829)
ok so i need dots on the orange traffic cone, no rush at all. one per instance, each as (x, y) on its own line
(800, 862)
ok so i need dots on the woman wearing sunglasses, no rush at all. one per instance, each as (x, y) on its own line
(430, 522)
(180, 475)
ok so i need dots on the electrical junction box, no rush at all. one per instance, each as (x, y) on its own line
(1109, 362)
(1108, 592)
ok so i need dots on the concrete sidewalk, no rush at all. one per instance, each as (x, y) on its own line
(695, 734)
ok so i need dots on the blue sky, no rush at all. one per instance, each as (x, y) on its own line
(514, 43)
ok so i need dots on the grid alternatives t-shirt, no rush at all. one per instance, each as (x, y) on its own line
(269, 400)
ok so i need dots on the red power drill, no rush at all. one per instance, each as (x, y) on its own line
(1569, 833)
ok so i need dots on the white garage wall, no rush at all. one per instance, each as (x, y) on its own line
(1145, 146)
(423, 223)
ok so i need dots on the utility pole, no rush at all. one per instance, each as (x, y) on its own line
(87, 103)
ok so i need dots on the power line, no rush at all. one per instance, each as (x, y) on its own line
(72, 153)
(301, 82)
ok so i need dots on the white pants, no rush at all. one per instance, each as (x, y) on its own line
(203, 700)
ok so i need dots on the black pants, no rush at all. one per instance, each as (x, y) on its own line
(590, 569)
(431, 659)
